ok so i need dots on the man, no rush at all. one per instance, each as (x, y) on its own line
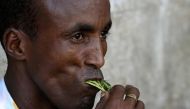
(53, 47)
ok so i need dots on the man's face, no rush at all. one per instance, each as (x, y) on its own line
(69, 50)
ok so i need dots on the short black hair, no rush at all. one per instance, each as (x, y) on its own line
(18, 14)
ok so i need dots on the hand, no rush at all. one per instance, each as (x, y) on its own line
(119, 98)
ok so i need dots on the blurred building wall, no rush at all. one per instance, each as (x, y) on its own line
(149, 47)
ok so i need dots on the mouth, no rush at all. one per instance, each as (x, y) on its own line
(99, 84)
(97, 76)
(91, 89)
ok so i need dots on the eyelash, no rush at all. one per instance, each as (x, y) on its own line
(80, 37)
(104, 35)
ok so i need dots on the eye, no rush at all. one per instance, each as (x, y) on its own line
(78, 37)
(104, 35)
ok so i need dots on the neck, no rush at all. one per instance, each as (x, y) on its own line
(23, 90)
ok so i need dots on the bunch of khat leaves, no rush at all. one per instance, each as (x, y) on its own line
(100, 84)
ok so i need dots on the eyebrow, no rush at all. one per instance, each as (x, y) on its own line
(83, 27)
(86, 27)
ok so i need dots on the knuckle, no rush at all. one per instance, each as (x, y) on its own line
(118, 87)
(136, 90)
(132, 88)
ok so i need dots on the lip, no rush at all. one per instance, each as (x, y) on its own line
(91, 89)
(94, 74)
(97, 77)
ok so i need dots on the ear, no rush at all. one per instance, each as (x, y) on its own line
(14, 42)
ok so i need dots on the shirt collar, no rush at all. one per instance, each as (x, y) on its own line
(5, 97)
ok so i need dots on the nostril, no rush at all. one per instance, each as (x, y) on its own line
(92, 66)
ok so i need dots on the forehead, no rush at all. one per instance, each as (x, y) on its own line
(96, 11)
(76, 5)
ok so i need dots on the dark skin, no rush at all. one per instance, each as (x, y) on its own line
(50, 71)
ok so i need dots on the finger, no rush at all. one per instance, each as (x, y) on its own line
(117, 93)
(140, 105)
(103, 99)
(114, 96)
(132, 95)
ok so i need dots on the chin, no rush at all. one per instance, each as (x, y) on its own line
(82, 103)
(87, 103)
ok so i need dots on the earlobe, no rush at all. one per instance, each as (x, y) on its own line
(14, 44)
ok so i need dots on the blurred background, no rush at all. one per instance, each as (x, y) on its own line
(149, 47)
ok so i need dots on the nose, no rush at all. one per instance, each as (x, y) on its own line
(95, 55)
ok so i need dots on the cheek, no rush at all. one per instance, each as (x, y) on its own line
(55, 74)
(52, 63)
(104, 47)
(59, 63)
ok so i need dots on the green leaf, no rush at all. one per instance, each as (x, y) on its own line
(106, 85)
(101, 85)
